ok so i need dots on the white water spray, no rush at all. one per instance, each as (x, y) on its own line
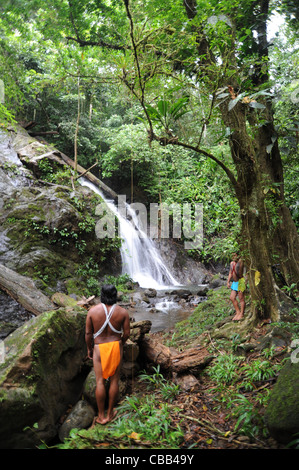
(140, 258)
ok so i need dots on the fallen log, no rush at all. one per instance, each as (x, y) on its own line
(155, 352)
(191, 359)
(23, 290)
(31, 153)
(92, 178)
(36, 134)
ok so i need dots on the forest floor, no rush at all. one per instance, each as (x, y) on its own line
(225, 406)
(205, 416)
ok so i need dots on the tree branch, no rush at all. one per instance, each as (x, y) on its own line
(100, 42)
(141, 82)
(173, 140)
(83, 43)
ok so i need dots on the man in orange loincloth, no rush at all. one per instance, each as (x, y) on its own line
(107, 329)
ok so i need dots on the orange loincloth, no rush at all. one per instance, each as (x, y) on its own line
(110, 358)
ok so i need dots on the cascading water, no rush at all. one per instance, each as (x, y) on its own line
(140, 258)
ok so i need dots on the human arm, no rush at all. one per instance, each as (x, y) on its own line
(89, 336)
(126, 328)
(229, 275)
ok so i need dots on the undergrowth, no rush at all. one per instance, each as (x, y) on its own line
(236, 385)
(144, 421)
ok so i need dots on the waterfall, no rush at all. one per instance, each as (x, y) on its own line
(140, 258)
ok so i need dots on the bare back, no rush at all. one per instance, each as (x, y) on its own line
(236, 270)
(96, 318)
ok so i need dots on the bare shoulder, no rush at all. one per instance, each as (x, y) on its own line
(95, 309)
(122, 311)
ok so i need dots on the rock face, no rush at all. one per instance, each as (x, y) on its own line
(282, 413)
(184, 269)
(46, 228)
(40, 375)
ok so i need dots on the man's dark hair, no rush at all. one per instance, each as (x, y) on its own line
(109, 294)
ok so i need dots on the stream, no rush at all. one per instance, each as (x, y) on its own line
(168, 307)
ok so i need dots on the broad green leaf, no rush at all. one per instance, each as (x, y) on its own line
(163, 107)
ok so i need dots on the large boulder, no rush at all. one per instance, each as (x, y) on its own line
(40, 376)
(80, 416)
(282, 413)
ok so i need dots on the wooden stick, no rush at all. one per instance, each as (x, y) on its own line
(82, 174)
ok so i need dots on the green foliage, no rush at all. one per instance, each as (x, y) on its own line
(123, 282)
(156, 380)
(50, 78)
(225, 369)
(167, 112)
(143, 422)
(249, 420)
(232, 376)
(205, 316)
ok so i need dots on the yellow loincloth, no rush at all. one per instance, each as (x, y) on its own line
(110, 358)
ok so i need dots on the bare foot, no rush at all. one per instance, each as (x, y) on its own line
(109, 419)
(238, 317)
(100, 420)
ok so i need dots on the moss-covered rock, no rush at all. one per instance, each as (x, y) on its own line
(47, 229)
(40, 376)
(282, 413)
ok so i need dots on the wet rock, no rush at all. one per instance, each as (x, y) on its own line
(150, 292)
(202, 291)
(217, 281)
(182, 293)
(184, 269)
(80, 417)
(40, 375)
(63, 300)
(187, 382)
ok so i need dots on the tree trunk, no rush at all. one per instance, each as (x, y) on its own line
(269, 240)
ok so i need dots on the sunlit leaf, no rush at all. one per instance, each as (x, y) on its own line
(257, 278)
(135, 436)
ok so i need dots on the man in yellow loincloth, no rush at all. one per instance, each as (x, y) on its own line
(107, 329)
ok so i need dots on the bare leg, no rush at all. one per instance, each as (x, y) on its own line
(233, 298)
(113, 390)
(242, 305)
(100, 388)
(113, 395)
